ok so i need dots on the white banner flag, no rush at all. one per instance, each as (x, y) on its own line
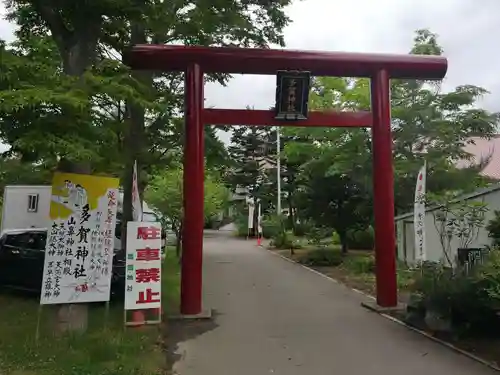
(259, 220)
(419, 216)
(136, 199)
(251, 209)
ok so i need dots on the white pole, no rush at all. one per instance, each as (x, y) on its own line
(278, 168)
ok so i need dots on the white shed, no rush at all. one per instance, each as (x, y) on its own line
(489, 196)
(25, 206)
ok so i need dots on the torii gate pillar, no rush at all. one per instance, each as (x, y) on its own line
(383, 191)
(193, 192)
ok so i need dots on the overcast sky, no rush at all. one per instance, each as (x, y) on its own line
(469, 31)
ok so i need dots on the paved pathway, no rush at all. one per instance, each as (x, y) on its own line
(274, 317)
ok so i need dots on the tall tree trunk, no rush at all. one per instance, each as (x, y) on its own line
(77, 47)
(291, 216)
(76, 59)
(72, 317)
(134, 135)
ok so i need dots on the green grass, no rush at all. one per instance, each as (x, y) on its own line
(359, 265)
(105, 349)
(171, 287)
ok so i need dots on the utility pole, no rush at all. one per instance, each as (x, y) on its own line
(278, 168)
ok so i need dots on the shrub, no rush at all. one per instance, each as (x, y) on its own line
(470, 300)
(360, 264)
(301, 229)
(276, 230)
(487, 280)
(493, 228)
(285, 240)
(212, 222)
(405, 277)
(272, 226)
(361, 239)
(241, 223)
(323, 258)
(317, 235)
(282, 240)
(335, 238)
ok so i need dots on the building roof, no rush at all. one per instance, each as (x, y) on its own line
(483, 149)
(474, 194)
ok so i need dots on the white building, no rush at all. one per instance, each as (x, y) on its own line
(489, 196)
(28, 206)
(25, 206)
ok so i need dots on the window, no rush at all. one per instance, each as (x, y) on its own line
(27, 240)
(149, 217)
(36, 241)
(13, 240)
(33, 203)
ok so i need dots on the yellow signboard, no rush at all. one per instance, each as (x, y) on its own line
(81, 239)
(72, 191)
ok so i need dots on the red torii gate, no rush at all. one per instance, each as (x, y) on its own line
(195, 61)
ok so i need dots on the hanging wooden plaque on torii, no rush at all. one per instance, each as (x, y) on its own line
(292, 95)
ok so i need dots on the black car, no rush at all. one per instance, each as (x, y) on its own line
(22, 254)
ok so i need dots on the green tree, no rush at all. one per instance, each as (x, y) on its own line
(86, 34)
(427, 123)
(73, 126)
(32, 89)
(13, 171)
(165, 193)
(251, 154)
(333, 201)
(434, 125)
(144, 117)
(329, 165)
(289, 172)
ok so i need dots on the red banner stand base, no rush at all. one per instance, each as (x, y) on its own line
(139, 318)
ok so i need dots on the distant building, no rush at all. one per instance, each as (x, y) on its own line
(481, 150)
(484, 149)
(434, 250)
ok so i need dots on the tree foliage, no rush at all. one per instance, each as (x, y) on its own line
(84, 40)
(165, 194)
(251, 153)
(67, 100)
(427, 123)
